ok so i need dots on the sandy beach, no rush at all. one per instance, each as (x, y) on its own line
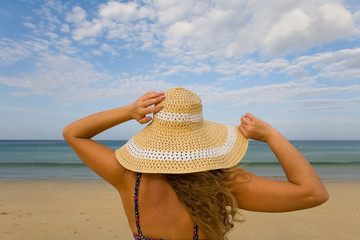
(37, 210)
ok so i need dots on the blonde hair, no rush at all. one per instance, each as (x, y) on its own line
(208, 198)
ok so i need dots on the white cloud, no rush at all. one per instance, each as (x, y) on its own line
(289, 95)
(124, 12)
(232, 29)
(201, 37)
(340, 65)
(251, 67)
(356, 17)
(29, 25)
(321, 59)
(65, 28)
(83, 28)
(169, 12)
(76, 16)
(71, 79)
(88, 29)
(119, 31)
(56, 73)
(217, 29)
(327, 66)
(119, 11)
(339, 71)
(292, 25)
(114, 19)
(325, 104)
(303, 28)
(11, 51)
(177, 32)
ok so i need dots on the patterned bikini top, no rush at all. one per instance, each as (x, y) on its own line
(139, 235)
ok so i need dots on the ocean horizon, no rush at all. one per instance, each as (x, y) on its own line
(55, 160)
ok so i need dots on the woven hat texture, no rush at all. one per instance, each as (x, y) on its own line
(179, 140)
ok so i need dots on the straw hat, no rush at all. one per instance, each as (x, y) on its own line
(179, 140)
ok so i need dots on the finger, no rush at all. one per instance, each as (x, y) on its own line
(243, 131)
(247, 128)
(145, 120)
(153, 101)
(250, 116)
(148, 94)
(153, 109)
(151, 95)
(244, 120)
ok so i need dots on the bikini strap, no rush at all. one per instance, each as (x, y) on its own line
(136, 202)
(196, 232)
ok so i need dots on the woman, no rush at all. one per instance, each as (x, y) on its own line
(177, 178)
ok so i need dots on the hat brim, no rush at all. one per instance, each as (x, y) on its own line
(212, 146)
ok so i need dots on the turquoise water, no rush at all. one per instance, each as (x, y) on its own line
(54, 159)
(331, 159)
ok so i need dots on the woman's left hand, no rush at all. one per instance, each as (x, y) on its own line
(141, 107)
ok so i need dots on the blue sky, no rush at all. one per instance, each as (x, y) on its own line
(295, 64)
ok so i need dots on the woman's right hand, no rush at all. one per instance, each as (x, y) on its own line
(255, 128)
(141, 107)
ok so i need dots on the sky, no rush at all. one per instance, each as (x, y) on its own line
(294, 64)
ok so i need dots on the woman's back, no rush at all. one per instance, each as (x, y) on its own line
(197, 158)
(161, 215)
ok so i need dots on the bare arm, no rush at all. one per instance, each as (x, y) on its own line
(98, 157)
(304, 189)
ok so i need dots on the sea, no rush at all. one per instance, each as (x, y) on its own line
(54, 160)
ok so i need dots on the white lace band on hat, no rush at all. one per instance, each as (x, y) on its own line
(214, 152)
(178, 117)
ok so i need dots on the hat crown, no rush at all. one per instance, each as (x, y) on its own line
(182, 110)
(181, 100)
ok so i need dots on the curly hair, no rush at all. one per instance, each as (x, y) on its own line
(208, 198)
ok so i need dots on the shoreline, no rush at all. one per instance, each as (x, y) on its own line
(58, 209)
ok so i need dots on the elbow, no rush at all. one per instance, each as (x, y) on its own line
(319, 196)
(67, 133)
(324, 196)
